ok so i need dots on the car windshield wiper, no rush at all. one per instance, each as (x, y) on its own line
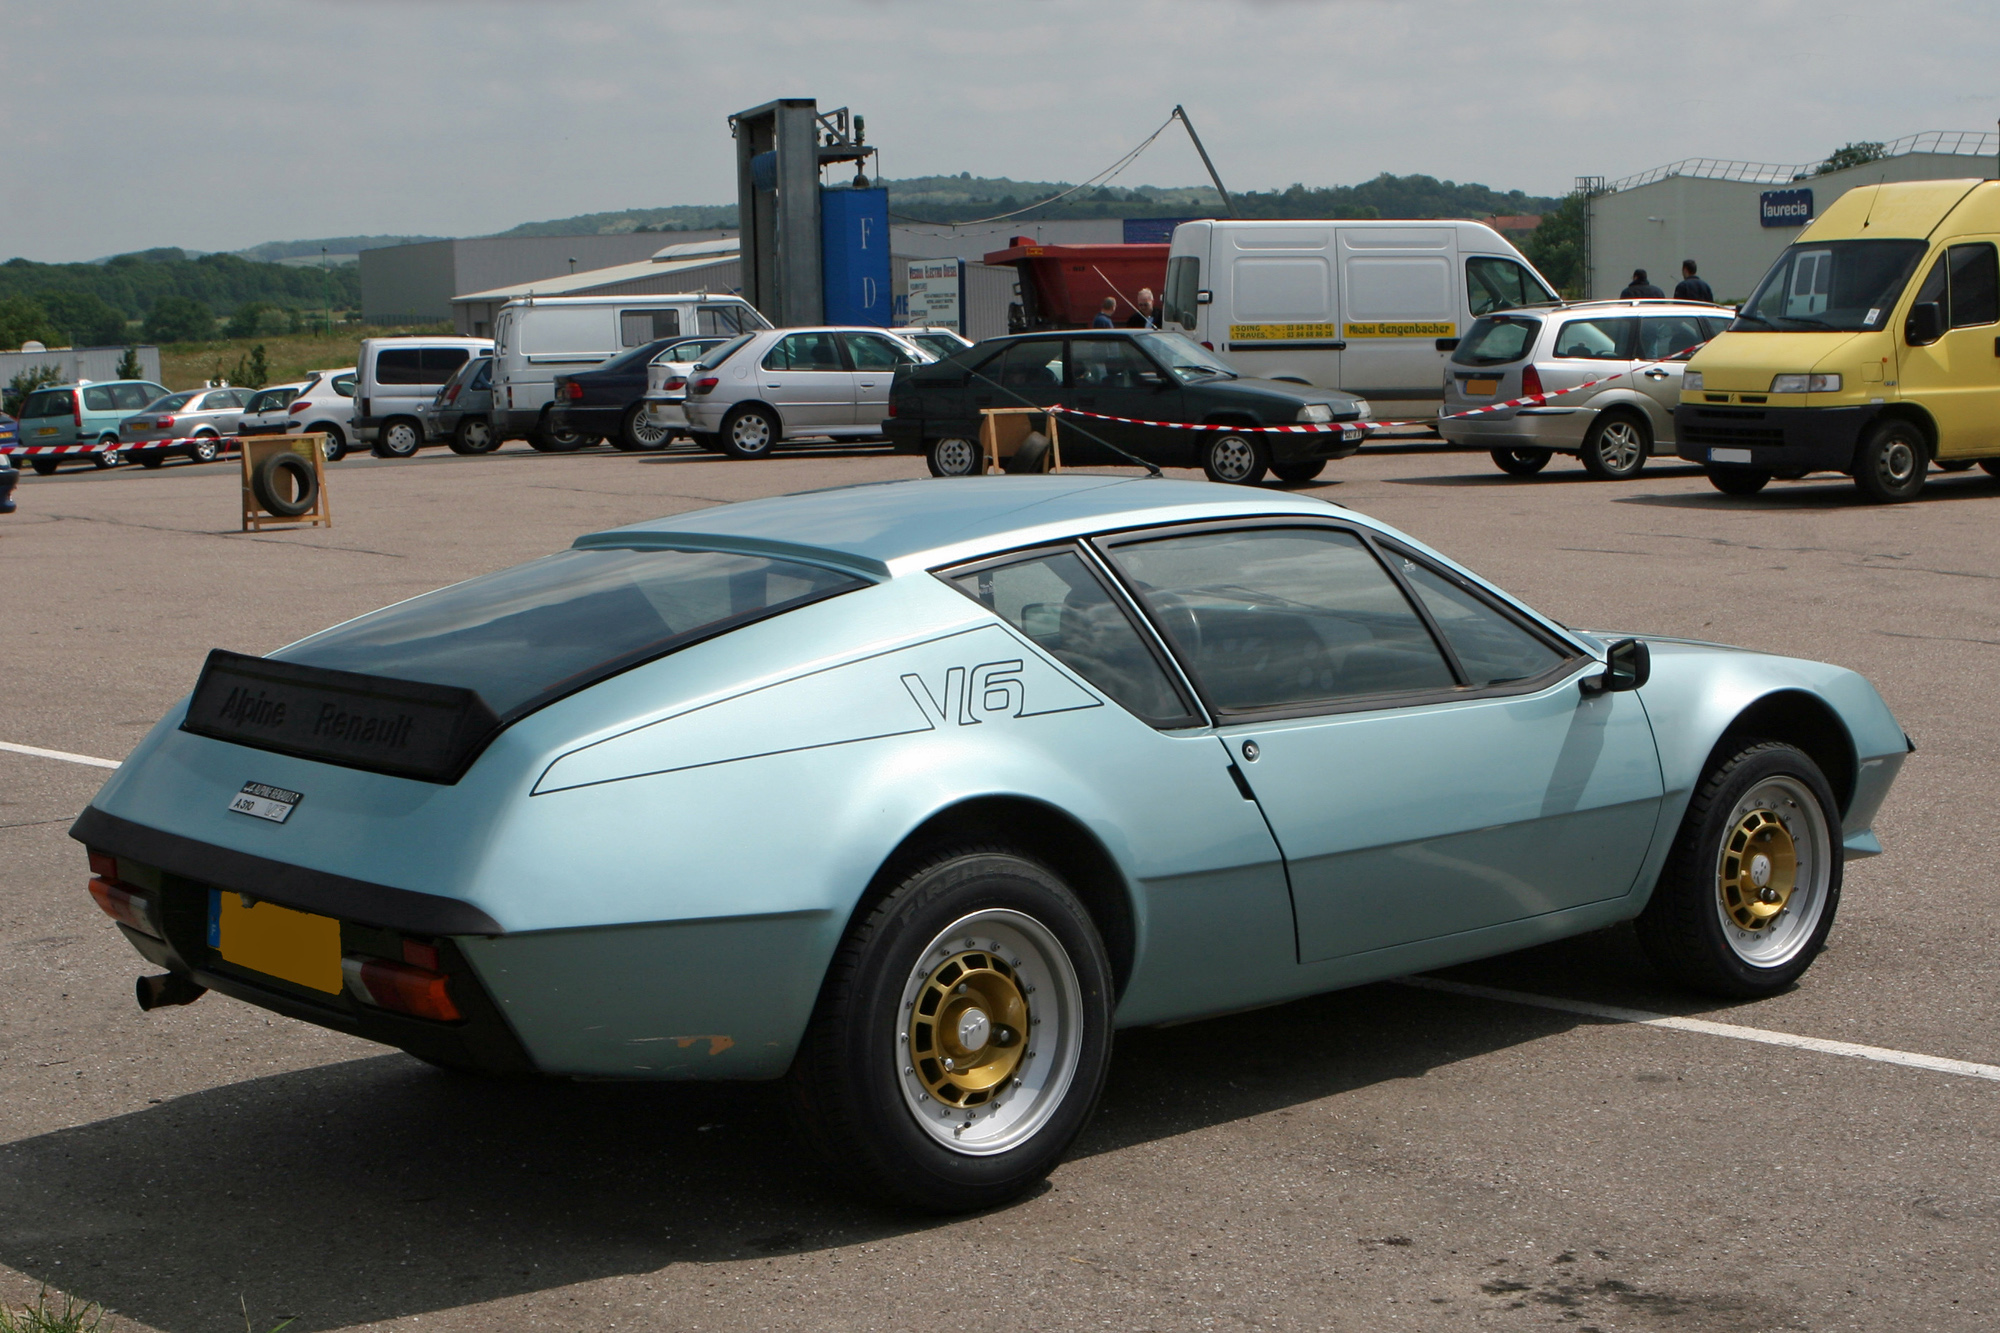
(1801, 319)
(1755, 319)
(1189, 373)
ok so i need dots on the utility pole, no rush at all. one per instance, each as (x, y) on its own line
(1180, 113)
(326, 282)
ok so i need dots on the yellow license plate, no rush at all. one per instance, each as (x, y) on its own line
(1487, 387)
(45, 430)
(298, 947)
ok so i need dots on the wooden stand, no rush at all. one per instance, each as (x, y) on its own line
(1001, 430)
(255, 449)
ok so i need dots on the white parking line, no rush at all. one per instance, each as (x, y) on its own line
(1935, 1063)
(63, 755)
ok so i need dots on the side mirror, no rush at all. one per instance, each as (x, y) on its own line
(1925, 324)
(1628, 664)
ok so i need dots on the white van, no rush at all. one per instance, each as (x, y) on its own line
(539, 338)
(395, 378)
(1370, 308)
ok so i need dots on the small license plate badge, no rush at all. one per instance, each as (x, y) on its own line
(272, 803)
(1728, 455)
(1481, 388)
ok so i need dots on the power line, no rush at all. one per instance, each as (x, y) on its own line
(1101, 178)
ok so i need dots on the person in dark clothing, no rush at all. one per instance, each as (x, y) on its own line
(1142, 311)
(1639, 288)
(1103, 320)
(1691, 288)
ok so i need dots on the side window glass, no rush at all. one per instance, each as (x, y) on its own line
(344, 385)
(873, 353)
(1183, 281)
(399, 365)
(1491, 648)
(130, 397)
(1499, 284)
(1712, 325)
(1284, 617)
(439, 364)
(1669, 337)
(1975, 285)
(483, 377)
(722, 320)
(1596, 339)
(1034, 364)
(97, 398)
(804, 351)
(1059, 603)
(1111, 363)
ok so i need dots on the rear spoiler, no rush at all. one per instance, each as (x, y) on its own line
(402, 728)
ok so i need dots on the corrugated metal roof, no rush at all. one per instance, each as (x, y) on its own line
(612, 281)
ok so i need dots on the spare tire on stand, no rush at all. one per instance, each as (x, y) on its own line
(281, 473)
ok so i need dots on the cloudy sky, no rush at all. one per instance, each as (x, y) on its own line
(216, 124)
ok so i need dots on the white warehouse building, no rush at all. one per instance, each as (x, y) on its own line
(1733, 218)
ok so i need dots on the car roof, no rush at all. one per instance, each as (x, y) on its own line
(1653, 303)
(888, 529)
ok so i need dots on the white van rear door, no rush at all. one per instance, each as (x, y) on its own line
(1399, 293)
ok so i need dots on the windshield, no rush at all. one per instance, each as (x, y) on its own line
(528, 635)
(722, 353)
(1188, 359)
(1496, 340)
(636, 359)
(1843, 285)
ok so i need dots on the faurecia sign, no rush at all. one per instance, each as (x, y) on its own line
(1785, 208)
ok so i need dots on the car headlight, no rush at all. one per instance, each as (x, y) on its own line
(1316, 412)
(1802, 383)
(1690, 379)
(1361, 409)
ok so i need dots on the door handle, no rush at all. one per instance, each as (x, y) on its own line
(1655, 374)
(774, 386)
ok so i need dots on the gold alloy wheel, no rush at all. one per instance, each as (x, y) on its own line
(968, 1029)
(1758, 871)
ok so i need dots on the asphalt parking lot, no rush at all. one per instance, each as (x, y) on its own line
(1388, 1157)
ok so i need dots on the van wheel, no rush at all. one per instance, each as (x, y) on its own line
(1616, 446)
(953, 456)
(1239, 460)
(399, 437)
(1737, 480)
(1889, 466)
(1520, 462)
(1294, 473)
(1990, 466)
(750, 432)
(1953, 464)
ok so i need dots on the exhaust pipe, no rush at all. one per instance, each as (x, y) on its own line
(168, 988)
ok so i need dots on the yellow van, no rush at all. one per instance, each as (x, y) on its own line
(1872, 347)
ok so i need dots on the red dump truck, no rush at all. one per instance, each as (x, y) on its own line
(1062, 286)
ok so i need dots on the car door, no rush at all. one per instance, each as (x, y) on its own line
(875, 360)
(1028, 373)
(223, 410)
(805, 376)
(1599, 348)
(1665, 344)
(1957, 378)
(1425, 758)
(1115, 378)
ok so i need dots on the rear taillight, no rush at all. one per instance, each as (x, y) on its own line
(164, 423)
(119, 903)
(677, 382)
(569, 389)
(76, 406)
(704, 384)
(451, 395)
(892, 407)
(1531, 381)
(1209, 345)
(300, 406)
(403, 987)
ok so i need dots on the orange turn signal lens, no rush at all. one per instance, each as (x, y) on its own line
(123, 906)
(417, 991)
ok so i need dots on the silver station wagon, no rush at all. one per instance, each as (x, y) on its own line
(1636, 348)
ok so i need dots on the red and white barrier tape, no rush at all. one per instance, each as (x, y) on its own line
(222, 443)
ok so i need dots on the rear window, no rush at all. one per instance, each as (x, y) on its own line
(721, 354)
(1495, 341)
(173, 402)
(526, 636)
(49, 403)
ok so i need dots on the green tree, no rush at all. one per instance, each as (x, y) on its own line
(179, 319)
(260, 319)
(1555, 247)
(129, 367)
(24, 320)
(1854, 155)
(25, 383)
(87, 318)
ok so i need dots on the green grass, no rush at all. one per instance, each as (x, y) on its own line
(289, 356)
(42, 1317)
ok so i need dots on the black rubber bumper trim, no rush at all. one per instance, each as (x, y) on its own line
(292, 886)
(1818, 439)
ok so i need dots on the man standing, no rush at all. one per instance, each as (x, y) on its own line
(1103, 320)
(1639, 289)
(1691, 288)
(1142, 311)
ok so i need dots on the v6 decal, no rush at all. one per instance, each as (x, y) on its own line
(995, 690)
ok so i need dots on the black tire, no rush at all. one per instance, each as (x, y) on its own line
(152, 461)
(1710, 883)
(637, 435)
(334, 447)
(1952, 464)
(1233, 459)
(954, 456)
(549, 438)
(473, 435)
(1520, 462)
(44, 467)
(398, 437)
(1294, 473)
(1738, 480)
(1616, 446)
(707, 441)
(750, 432)
(859, 1087)
(1990, 466)
(270, 491)
(1889, 466)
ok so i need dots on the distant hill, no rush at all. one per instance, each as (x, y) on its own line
(335, 246)
(130, 284)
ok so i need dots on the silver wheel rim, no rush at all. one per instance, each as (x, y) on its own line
(751, 433)
(477, 433)
(1232, 457)
(645, 432)
(1054, 1037)
(401, 440)
(1898, 463)
(112, 458)
(1795, 807)
(1620, 445)
(955, 457)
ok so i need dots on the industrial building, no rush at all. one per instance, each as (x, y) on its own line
(414, 284)
(1733, 218)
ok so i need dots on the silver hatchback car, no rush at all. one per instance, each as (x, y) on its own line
(202, 417)
(1637, 349)
(779, 384)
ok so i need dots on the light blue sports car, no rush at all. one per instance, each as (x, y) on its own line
(910, 794)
